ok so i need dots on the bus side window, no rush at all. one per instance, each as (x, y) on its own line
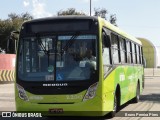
(133, 53)
(143, 61)
(115, 48)
(123, 51)
(137, 52)
(129, 56)
(106, 49)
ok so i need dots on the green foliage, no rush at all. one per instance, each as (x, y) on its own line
(100, 12)
(13, 23)
(113, 19)
(6, 26)
(97, 12)
(69, 11)
(103, 14)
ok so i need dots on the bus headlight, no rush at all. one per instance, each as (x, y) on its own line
(91, 92)
(22, 94)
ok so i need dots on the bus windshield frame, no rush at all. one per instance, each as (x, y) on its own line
(52, 53)
(75, 30)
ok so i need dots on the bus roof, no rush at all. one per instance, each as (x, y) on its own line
(68, 17)
(94, 18)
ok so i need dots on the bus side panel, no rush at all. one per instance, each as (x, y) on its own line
(133, 82)
(129, 73)
(108, 92)
(133, 73)
(116, 77)
(138, 77)
(124, 72)
(124, 78)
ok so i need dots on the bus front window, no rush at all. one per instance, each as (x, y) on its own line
(58, 58)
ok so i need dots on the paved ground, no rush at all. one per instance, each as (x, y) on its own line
(149, 102)
(152, 72)
(7, 102)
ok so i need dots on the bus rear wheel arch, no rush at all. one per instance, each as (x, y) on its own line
(137, 97)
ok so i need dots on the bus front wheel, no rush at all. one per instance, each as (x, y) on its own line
(115, 106)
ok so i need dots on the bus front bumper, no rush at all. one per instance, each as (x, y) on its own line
(92, 107)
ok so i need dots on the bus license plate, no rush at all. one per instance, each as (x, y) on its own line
(56, 110)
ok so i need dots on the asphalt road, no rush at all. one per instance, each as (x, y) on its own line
(148, 107)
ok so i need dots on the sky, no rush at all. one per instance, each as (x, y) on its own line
(139, 18)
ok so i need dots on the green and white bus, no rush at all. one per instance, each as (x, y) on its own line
(76, 66)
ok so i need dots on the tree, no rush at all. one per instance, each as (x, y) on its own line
(100, 12)
(23, 16)
(69, 11)
(103, 14)
(13, 16)
(6, 26)
(26, 16)
(13, 23)
(113, 19)
(17, 20)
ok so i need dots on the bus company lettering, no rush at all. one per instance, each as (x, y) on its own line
(74, 96)
(55, 84)
(122, 77)
(36, 97)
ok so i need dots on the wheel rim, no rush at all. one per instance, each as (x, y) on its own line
(138, 92)
(115, 104)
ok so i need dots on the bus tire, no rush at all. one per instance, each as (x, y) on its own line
(115, 105)
(136, 98)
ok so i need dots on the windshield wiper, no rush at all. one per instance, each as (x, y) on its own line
(42, 46)
(70, 42)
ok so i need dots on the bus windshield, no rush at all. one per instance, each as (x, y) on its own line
(57, 58)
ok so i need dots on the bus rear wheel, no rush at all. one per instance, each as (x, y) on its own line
(136, 99)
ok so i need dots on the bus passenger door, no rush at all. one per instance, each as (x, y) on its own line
(107, 79)
(106, 52)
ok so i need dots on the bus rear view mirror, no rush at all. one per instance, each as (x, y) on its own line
(12, 42)
(15, 32)
(106, 40)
